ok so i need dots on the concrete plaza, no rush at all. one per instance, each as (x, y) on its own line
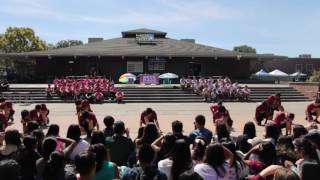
(64, 114)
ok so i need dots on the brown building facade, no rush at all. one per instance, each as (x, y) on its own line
(146, 51)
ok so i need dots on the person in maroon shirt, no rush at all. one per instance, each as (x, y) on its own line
(313, 109)
(149, 115)
(9, 112)
(223, 116)
(274, 102)
(263, 111)
(44, 112)
(3, 122)
(215, 108)
(284, 120)
(35, 113)
(88, 122)
(25, 119)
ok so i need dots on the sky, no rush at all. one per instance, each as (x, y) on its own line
(282, 27)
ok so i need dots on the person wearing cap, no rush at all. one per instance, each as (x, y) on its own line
(121, 147)
(313, 109)
(284, 120)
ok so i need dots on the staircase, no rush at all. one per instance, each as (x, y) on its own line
(288, 94)
(149, 95)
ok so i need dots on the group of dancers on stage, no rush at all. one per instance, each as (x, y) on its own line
(265, 111)
(94, 89)
(87, 119)
(215, 90)
(39, 115)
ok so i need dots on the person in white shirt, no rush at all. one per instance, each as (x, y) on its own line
(74, 133)
(216, 164)
(179, 162)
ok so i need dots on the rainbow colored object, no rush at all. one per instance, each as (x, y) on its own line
(123, 79)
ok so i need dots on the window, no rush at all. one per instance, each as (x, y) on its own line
(299, 68)
(156, 65)
(135, 66)
(309, 68)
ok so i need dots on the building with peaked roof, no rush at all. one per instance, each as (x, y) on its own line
(142, 51)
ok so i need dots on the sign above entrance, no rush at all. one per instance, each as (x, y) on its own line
(145, 38)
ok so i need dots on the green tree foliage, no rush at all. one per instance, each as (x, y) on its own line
(20, 39)
(315, 77)
(68, 43)
(245, 49)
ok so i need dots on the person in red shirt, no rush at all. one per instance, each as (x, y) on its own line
(215, 108)
(25, 119)
(85, 105)
(35, 114)
(284, 120)
(313, 109)
(3, 122)
(262, 112)
(149, 115)
(119, 96)
(44, 112)
(8, 111)
(88, 122)
(223, 116)
(274, 102)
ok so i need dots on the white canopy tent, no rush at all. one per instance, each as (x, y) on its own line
(278, 73)
(297, 74)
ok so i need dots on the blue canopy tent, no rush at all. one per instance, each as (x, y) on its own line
(262, 73)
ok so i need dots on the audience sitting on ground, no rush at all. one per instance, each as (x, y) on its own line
(111, 154)
(214, 90)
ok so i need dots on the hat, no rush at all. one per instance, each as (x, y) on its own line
(255, 141)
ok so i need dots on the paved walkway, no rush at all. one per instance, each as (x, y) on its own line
(64, 114)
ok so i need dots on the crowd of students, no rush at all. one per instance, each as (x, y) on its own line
(111, 152)
(93, 88)
(215, 90)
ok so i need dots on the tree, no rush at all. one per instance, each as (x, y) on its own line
(245, 49)
(20, 39)
(68, 43)
(315, 77)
